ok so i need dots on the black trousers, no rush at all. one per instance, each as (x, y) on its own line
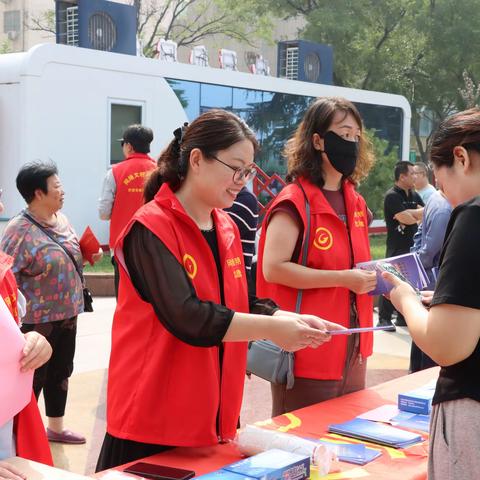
(53, 377)
(117, 451)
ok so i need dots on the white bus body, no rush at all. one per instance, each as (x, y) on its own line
(70, 104)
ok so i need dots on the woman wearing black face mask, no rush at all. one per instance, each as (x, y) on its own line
(327, 156)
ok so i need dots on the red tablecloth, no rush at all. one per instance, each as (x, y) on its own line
(313, 421)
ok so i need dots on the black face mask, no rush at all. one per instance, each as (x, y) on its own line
(341, 153)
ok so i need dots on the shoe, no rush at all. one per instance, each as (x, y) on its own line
(67, 436)
(400, 322)
(386, 323)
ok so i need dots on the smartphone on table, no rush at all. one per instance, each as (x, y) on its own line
(159, 472)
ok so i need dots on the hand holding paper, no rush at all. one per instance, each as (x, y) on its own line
(90, 246)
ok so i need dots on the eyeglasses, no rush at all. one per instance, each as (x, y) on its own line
(240, 174)
(122, 143)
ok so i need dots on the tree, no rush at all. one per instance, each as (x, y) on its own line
(186, 21)
(5, 47)
(416, 48)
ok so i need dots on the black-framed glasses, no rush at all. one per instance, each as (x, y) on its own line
(240, 174)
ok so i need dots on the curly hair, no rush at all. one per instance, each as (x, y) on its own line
(304, 160)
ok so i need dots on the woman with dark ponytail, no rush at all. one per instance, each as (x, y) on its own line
(180, 328)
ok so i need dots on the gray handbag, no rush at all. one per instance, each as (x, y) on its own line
(267, 360)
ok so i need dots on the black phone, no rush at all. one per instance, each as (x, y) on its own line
(159, 472)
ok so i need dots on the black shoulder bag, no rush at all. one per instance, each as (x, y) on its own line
(87, 296)
(267, 360)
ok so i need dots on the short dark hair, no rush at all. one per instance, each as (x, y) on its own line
(460, 129)
(401, 168)
(33, 176)
(139, 137)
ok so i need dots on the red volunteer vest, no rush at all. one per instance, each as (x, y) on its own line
(160, 389)
(129, 178)
(30, 438)
(328, 249)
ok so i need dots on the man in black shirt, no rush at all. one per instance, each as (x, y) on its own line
(403, 208)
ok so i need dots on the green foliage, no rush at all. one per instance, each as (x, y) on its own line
(380, 178)
(5, 47)
(378, 246)
(103, 266)
(416, 48)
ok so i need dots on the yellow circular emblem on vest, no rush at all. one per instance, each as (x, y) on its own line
(190, 265)
(323, 238)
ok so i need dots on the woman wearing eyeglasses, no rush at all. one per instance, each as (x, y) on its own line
(179, 334)
(327, 156)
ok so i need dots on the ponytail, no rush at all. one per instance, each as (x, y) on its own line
(211, 132)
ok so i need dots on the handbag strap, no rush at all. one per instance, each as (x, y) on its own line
(304, 247)
(65, 249)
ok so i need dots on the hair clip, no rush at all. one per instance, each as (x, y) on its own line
(178, 133)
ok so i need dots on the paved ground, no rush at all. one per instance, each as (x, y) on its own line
(86, 403)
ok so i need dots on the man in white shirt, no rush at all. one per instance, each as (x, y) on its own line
(422, 185)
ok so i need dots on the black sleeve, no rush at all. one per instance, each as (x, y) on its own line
(457, 282)
(262, 306)
(161, 281)
(393, 204)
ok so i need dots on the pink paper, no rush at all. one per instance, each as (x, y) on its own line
(16, 387)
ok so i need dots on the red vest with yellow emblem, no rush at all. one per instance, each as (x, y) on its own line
(329, 249)
(30, 438)
(162, 390)
(129, 175)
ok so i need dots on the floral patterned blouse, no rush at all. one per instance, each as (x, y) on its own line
(45, 274)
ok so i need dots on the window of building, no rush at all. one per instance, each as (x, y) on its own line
(274, 116)
(11, 21)
(121, 116)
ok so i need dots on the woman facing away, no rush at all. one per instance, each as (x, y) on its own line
(446, 326)
(183, 316)
(326, 156)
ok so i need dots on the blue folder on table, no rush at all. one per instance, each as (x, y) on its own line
(375, 432)
(356, 453)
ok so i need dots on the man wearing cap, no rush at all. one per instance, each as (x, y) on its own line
(122, 191)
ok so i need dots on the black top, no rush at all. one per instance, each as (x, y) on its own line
(399, 236)
(457, 284)
(162, 281)
(244, 213)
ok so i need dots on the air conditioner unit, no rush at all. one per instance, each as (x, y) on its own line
(13, 34)
(305, 61)
(97, 24)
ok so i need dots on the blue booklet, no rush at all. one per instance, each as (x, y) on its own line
(408, 265)
(414, 421)
(376, 433)
(356, 453)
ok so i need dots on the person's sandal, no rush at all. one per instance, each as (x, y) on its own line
(67, 436)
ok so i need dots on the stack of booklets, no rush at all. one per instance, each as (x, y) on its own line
(272, 464)
(418, 400)
(376, 433)
(358, 453)
(409, 265)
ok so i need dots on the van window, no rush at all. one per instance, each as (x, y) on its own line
(121, 116)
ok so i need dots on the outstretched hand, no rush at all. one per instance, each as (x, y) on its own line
(399, 291)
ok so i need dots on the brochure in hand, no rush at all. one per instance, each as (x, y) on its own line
(376, 433)
(408, 265)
